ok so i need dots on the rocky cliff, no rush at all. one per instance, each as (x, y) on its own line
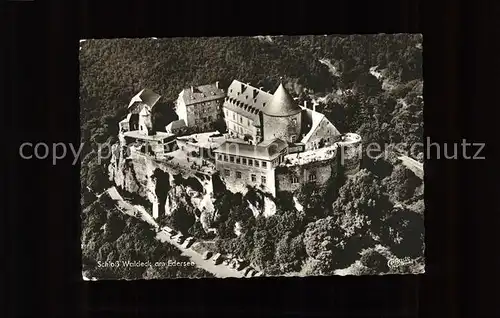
(169, 189)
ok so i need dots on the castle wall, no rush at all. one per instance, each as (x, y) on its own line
(235, 184)
(350, 153)
(239, 124)
(282, 127)
(292, 178)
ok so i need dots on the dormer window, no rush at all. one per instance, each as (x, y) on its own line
(263, 104)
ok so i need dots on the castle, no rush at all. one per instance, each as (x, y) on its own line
(272, 142)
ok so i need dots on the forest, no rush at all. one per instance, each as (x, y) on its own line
(368, 84)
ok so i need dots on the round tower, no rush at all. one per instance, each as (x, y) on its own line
(282, 117)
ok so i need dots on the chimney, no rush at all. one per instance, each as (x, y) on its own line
(314, 107)
(217, 84)
(261, 88)
(305, 104)
(192, 89)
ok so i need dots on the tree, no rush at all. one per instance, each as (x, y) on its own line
(402, 183)
(323, 242)
(263, 252)
(182, 220)
(362, 205)
(405, 233)
(290, 252)
(374, 261)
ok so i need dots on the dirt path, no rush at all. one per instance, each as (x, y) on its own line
(219, 271)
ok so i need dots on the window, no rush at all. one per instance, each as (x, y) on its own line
(244, 161)
(219, 157)
(254, 178)
(264, 164)
(295, 179)
(227, 172)
(248, 122)
(241, 120)
(294, 121)
(256, 162)
(263, 180)
(238, 174)
(231, 90)
(231, 159)
(237, 159)
(225, 158)
(234, 117)
(293, 138)
(312, 177)
(250, 162)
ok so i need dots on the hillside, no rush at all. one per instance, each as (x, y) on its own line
(370, 84)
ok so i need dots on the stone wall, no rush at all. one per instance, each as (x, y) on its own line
(350, 150)
(235, 184)
(282, 127)
(323, 170)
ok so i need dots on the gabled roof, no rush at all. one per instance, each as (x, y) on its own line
(316, 120)
(146, 96)
(203, 93)
(176, 124)
(282, 104)
(268, 151)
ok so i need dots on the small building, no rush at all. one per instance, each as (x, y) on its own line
(176, 126)
(139, 112)
(320, 131)
(200, 106)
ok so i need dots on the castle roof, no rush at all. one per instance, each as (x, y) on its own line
(316, 119)
(246, 100)
(144, 97)
(203, 93)
(268, 151)
(282, 104)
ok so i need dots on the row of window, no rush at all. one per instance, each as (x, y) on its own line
(238, 129)
(311, 178)
(247, 121)
(253, 177)
(243, 161)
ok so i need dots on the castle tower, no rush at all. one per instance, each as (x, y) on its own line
(282, 117)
